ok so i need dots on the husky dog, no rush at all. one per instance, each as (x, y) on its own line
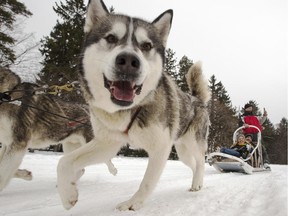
(133, 101)
(29, 125)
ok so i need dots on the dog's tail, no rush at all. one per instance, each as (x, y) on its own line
(198, 85)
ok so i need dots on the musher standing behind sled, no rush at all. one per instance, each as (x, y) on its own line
(249, 119)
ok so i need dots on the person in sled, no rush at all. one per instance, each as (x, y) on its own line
(240, 148)
(249, 118)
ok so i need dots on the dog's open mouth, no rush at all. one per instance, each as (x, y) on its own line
(122, 92)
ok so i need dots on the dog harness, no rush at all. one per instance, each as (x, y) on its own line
(132, 120)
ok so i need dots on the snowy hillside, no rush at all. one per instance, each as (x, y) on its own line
(261, 194)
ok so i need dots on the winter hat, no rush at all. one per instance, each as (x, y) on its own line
(240, 135)
(248, 135)
(247, 106)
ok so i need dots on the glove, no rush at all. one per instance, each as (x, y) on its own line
(248, 147)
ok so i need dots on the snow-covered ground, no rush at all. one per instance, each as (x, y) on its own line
(224, 194)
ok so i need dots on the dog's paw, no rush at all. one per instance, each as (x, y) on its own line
(28, 177)
(23, 174)
(69, 195)
(195, 188)
(113, 170)
(130, 205)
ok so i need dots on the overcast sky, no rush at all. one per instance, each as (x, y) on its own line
(244, 43)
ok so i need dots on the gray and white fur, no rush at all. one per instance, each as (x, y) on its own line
(31, 124)
(131, 100)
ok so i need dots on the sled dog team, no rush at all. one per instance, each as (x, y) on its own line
(122, 79)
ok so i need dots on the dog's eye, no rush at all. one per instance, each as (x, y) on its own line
(111, 39)
(146, 46)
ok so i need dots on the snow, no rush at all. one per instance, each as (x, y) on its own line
(261, 194)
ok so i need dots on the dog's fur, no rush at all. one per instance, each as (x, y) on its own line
(23, 127)
(133, 101)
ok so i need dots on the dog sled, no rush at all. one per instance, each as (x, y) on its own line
(229, 163)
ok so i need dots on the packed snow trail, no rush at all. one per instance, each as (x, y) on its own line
(224, 194)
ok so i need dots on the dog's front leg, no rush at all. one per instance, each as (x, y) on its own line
(158, 149)
(112, 169)
(11, 160)
(154, 170)
(71, 164)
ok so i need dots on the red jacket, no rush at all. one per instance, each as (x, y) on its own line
(251, 120)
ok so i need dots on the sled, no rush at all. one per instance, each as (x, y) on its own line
(229, 163)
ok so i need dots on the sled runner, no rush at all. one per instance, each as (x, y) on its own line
(228, 163)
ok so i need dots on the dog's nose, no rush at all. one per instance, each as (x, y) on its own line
(128, 63)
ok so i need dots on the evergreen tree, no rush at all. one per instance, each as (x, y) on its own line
(221, 94)
(222, 117)
(184, 65)
(62, 48)
(9, 10)
(170, 66)
(277, 150)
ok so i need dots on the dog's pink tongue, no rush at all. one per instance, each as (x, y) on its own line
(123, 90)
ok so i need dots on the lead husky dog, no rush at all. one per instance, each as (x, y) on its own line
(23, 127)
(133, 101)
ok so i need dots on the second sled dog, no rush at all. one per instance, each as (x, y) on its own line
(27, 125)
(131, 100)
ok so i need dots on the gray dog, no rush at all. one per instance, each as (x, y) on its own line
(32, 124)
(131, 100)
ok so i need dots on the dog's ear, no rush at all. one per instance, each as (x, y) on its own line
(96, 10)
(163, 24)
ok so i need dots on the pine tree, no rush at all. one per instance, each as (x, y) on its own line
(9, 10)
(62, 48)
(221, 94)
(184, 65)
(222, 116)
(170, 66)
(277, 150)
